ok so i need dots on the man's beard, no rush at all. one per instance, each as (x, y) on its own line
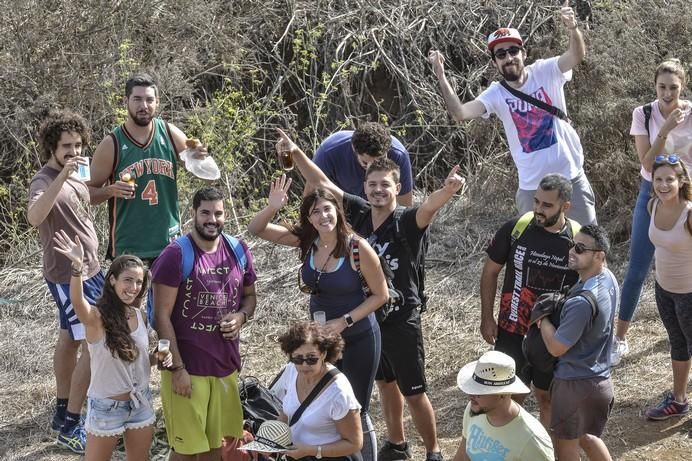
(549, 221)
(138, 120)
(201, 231)
(512, 76)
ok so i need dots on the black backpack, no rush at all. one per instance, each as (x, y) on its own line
(259, 404)
(535, 351)
(359, 221)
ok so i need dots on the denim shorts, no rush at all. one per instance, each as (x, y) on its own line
(108, 417)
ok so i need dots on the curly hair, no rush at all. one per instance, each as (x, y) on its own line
(372, 139)
(307, 233)
(306, 332)
(55, 124)
(114, 312)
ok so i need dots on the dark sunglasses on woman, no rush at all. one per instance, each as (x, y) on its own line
(299, 359)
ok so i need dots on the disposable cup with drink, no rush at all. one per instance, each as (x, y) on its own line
(320, 317)
(163, 350)
(286, 160)
(129, 179)
(83, 169)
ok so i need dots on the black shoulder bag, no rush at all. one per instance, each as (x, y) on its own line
(555, 111)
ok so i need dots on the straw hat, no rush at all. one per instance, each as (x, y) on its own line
(493, 373)
(272, 437)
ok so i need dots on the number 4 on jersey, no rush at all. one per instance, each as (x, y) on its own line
(149, 193)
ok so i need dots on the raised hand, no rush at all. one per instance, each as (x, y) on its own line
(437, 60)
(278, 192)
(454, 182)
(73, 250)
(568, 17)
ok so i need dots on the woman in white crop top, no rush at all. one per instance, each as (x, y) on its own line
(116, 333)
(329, 428)
(670, 232)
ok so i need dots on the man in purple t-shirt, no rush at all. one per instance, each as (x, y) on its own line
(202, 315)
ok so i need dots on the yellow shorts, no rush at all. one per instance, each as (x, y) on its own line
(198, 424)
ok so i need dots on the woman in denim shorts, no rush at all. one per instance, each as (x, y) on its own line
(116, 334)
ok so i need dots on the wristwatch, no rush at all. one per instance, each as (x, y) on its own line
(349, 320)
(319, 452)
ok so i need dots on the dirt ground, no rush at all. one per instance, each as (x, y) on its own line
(28, 333)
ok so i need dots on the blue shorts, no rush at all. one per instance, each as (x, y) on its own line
(61, 294)
(110, 418)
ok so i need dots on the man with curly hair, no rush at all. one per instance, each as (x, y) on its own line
(345, 155)
(58, 199)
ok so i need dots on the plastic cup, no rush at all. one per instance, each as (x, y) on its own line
(84, 170)
(164, 345)
(286, 160)
(320, 317)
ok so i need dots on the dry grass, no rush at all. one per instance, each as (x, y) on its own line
(28, 332)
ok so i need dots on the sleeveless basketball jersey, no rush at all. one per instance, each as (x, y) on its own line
(145, 224)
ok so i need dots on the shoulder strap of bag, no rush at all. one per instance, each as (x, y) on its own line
(188, 254)
(355, 253)
(647, 116)
(556, 111)
(326, 379)
(238, 251)
(590, 298)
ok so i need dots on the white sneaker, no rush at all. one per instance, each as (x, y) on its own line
(618, 351)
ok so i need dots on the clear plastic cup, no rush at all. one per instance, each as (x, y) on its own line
(164, 345)
(320, 317)
(84, 170)
(205, 168)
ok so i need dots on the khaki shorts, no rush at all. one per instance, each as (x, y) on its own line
(198, 424)
(580, 407)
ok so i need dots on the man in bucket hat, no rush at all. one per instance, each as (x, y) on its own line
(531, 104)
(495, 426)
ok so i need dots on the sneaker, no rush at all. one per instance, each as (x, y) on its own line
(391, 452)
(619, 350)
(667, 408)
(434, 456)
(75, 440)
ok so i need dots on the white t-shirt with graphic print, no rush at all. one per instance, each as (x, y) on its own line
(540, 143)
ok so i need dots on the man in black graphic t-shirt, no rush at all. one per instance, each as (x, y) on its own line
(535, 259)
(401, 375)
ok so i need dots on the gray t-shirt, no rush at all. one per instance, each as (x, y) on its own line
(71, 213)
(589, 338)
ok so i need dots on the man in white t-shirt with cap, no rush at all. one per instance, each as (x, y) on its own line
(495, 426)
(540, 136)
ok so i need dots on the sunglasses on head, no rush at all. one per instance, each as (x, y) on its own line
(512, 51)
(299, 359)
(580, 248)
(308, 290)
(671, 159)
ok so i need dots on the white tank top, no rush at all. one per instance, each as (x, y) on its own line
(673, 253)
(111, 376)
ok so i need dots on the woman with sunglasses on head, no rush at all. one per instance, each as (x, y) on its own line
(668, 130)
(328, 247)
(670, 232)
(329, 425)
(116, 333)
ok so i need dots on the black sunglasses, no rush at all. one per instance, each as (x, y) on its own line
(580, 248)
(512, 51)
(308, 290)
(299, 359)
(671, 159)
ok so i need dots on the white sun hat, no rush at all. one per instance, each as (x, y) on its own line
(493, 373)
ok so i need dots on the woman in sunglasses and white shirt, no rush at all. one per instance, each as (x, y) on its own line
(329, 427)
(670, 232)
(669, 131)
(326, 243)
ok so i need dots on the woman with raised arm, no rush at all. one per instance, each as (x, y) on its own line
(116, 334)
(670, 232)
(329, 250)
(659, 127)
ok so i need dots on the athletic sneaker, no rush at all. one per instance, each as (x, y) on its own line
(434, 456)
(618, 351)
(391, 452)
(667, 408)
(75, 440)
